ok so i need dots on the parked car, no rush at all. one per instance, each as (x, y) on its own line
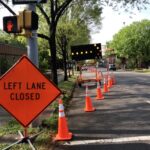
(84, 68)
(112, 67)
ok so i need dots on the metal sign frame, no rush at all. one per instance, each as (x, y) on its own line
(28, 1)
(88, 51)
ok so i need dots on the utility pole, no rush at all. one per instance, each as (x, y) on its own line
(32, 46)
(32, 50)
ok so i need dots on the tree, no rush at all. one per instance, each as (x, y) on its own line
(4, 65)
(69, 32)
(132, 43)
(43, 60)
(56, 9)
(5, 39)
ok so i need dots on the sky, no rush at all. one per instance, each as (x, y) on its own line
(112, 22)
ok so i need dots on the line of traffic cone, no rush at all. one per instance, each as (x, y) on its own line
(105, 87)
(98, 76)
(109, 81)
(88, 103)
(63, 131)
(113, 79)
(99, 93)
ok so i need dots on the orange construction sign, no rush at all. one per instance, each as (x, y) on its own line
(25, 91)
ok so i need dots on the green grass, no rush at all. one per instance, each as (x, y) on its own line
(42, 142)
(142, 70)
(49, 125)
(11, 128)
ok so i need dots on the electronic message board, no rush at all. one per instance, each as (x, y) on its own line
(26, 92)
(83, 52)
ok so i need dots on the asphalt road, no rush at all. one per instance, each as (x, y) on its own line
(120, 122)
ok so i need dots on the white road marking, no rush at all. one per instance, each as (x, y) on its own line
(110, 141)
(148, 102)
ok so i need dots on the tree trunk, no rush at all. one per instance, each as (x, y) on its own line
(65, 71)
(65, 63)
(64, 60)
(52, 44)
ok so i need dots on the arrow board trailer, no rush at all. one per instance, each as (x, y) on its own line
(89, 76)
(84, 52)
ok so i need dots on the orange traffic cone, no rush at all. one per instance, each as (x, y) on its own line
(98, 76)
(109, 82)
(99, 93)
(88, 104)
(63, 132)
(105, 86)
(113, 79)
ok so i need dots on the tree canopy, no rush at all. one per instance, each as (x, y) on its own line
(88, 11)
(133, 43)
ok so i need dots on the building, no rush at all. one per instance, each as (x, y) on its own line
(9, 55)
(111, 58)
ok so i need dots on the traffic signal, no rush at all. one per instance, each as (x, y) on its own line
(11, 24)
(28, 20)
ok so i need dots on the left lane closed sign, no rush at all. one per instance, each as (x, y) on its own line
(26, 92)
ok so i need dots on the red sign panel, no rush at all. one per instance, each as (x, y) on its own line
(26, 92)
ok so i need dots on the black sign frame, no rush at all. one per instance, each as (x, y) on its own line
(28, 1)
(88, 51)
